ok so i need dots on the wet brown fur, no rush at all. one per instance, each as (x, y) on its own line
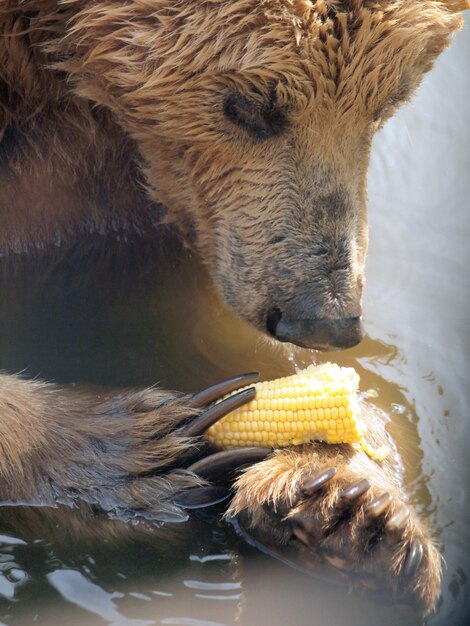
(126, 115)
(67, 444)
(90, 98)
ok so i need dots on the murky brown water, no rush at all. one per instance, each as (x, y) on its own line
(75, 325)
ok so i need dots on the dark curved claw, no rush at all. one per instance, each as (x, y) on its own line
(220, 389)
(355, 490)
(413, 558)
(202, 422)
(315, 484)
(227, 461)
(379, 505)
(201, 497)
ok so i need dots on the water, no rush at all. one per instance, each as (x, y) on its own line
(72, 323)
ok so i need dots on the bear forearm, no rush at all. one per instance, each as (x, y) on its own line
(61, 443)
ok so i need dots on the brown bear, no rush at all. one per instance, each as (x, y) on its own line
(248, 125)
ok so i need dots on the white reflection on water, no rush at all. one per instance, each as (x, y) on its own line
(75, 588)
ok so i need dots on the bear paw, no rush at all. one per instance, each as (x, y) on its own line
(334, 512)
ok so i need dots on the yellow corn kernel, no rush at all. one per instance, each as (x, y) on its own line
(319, 403)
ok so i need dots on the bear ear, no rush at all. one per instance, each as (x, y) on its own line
(457, 5)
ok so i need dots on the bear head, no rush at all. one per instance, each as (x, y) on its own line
(254, 119)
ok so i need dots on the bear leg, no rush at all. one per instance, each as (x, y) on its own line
(127, 453)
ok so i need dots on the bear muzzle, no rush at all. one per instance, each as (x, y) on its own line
(316, 332)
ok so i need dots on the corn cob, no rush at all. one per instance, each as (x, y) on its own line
(319, 403)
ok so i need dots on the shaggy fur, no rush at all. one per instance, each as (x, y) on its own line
(272, 190)
(247, 124)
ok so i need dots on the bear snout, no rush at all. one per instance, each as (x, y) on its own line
(316, 332)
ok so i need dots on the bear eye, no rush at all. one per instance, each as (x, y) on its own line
(261, 120)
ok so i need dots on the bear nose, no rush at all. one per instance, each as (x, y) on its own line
(318, 333)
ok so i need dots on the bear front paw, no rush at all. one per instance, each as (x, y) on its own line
(311, 508)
